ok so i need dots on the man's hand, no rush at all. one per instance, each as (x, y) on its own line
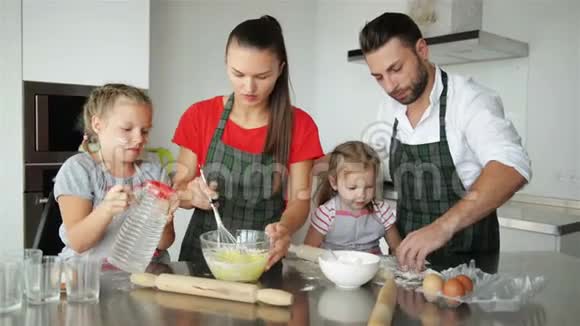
(418, 244)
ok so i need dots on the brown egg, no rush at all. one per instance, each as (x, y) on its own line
(466, 282)
(453, 288)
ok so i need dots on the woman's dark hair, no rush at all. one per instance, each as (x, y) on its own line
(265, 33)
(387, 26)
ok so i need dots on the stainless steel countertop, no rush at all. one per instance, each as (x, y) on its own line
(539, 218)
(316, 301)
(545, 219)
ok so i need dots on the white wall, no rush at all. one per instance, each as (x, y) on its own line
(347, 97)
(551, 29)
(187, 59)
(86, 42)
(11, 171)
(348, 88)
(539, 92)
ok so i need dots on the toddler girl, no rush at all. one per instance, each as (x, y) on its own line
(348, 216)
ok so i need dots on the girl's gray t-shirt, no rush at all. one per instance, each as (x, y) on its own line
(84, 177)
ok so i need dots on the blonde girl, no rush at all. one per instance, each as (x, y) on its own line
(348, 216)
(94, 188)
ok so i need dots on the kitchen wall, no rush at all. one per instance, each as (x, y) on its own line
(11, 171)
(99, 41)
(187, 59)
(539, 92)
(86, 42)
(551, 29)
(347, 97)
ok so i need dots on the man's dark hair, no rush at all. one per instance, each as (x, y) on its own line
(387, 26)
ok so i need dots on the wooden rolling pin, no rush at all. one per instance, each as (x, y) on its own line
(384, 309)
(218, 307)
(307, 252)
(206, 287)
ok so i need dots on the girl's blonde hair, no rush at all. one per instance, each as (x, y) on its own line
(350, 152)
(102, 100)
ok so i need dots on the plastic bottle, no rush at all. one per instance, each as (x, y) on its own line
(142, 228)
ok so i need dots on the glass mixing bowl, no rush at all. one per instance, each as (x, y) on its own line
(244, 261)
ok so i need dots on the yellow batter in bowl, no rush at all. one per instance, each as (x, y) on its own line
(229, 264)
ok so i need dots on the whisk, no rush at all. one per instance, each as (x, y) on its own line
(223, 235)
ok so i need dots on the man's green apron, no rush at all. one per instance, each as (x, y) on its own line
(245, 184)
(428, 185)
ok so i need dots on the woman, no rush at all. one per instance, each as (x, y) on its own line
(253, 145)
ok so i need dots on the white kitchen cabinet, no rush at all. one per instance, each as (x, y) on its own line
(86, 42)
(534, 227)
(11, 171)
(570, 244)
(520, 240)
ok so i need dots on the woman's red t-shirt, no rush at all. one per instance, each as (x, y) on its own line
(197, 126)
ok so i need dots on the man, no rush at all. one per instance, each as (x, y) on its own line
(453, 156)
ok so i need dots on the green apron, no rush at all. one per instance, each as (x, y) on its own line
(245, 184)
(428, 185)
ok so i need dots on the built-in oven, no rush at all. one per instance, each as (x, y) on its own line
(39, 182)
(52, 120)
(52, 133)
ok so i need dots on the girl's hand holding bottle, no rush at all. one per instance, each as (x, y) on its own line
(117, 200)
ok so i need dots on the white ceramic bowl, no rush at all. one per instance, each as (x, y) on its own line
(352, 268)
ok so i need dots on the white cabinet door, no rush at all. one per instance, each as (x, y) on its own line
(86, 42)
(570, 244)
(519, 240)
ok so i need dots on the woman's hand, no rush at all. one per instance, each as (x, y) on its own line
(117, 200)
(198, 193)
(279, 242)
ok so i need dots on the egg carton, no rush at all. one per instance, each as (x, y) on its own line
(491, 292)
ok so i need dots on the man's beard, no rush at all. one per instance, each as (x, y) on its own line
(418, 85)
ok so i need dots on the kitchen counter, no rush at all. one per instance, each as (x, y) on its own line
(317, 302)
(539, 218)
(526, 216)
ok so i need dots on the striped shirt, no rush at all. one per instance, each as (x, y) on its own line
(324, 215)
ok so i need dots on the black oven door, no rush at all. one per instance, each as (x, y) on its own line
(52, 120)
(39, 183)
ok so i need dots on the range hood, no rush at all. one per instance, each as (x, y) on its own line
(454, 32)
(465, 47)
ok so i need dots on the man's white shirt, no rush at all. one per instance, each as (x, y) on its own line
(477, 130)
